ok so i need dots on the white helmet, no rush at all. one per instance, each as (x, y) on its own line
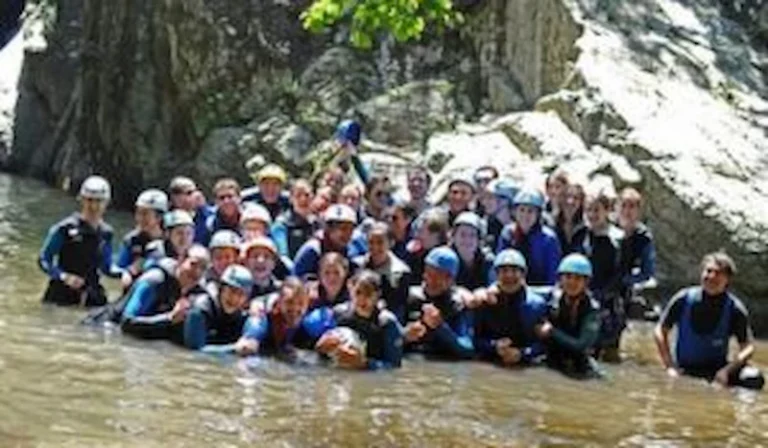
(225, 239)
(255, 212)
(340, 213)
(95, 187)
(154, 199)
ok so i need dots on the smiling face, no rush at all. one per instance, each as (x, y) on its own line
(270, 189)
(510, 279)
(261, 262)
(190, 271)
(301, 197)
(339, 234)
(459, 197)
(228, 201)
(714, 280)
(232, 299)
(436, 281)
(466, 239)
(181, 238)
(378, 247)
(418, 185)
(146, 219)
(332, 277)
(293, 305)
(526, 217)
(596, 213)
(222, 258)
(364, 298)
(573, 285)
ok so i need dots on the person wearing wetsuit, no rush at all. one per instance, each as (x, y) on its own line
(537, 242)
(180, 233)
(159, 300)
(339, 221)
(269, 190)
(225, 251)
(216, 322)
(438, 323)
(706, 317)
(286, 325)
(378, 328)
(638, 253)
(419, 181)
(601, 242)
(461, 191)
(330, 289)
(260, 257)
(151, 205)
(227, 212)
(498, 208)
(395, 274)
(295, 226)
(504, 325)
(431, 230)
(569, 217)
(475, 260)
(572, 327)
(182, 192)
(79, 247)
(401, 217)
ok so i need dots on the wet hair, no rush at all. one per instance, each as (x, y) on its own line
(367, 278)
(301, 182)
(723, 261)
(333, 258)
(226, 184)
(629, 194)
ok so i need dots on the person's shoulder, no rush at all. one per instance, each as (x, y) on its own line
(67, 222)
(534, 299)
(643, 231)
(386, 317)
(738, 305)
(313, 244)
(132, 235)
(250, 194)
(548, 232)
(398, 265)
(416, 294)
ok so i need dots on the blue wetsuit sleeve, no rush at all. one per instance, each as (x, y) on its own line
(124, 256)
(195, 329)
(306, 261)
(318, 321)
(108, 268)
(50, 250)
(280, 236)
(647, 266)
(256, 328)
(588, 333)
(136, 320)
(361, 169)
(392, 355)
(457, 340)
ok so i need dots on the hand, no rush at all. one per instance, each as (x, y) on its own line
(544, 331)
(327, 343)
(721, 377)
(673, 372)
(256, 308)
(126, 279)
(502, 344)
(179, 311)
(72, 281)
(246, 346)
(415, 331)
(349, 358)
(431, 316)
(510, 355)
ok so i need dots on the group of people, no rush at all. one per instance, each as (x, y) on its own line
(344, 267)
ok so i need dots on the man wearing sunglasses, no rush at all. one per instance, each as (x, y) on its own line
(182, 194)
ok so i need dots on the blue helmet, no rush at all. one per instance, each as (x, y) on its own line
(443, 258)
(576, 264)
(510, 257)
(531, 197)
(348, 131)
(505, 189)
(470, 219)
(238, 277)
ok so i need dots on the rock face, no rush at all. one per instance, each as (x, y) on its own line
(665, 95)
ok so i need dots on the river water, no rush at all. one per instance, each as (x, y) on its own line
(64, 385)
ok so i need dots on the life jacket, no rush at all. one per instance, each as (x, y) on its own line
(82, 247)
(695, 350)
(499, 319)
(136, 242)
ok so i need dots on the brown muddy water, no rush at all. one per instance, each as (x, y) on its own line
(65, 385)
